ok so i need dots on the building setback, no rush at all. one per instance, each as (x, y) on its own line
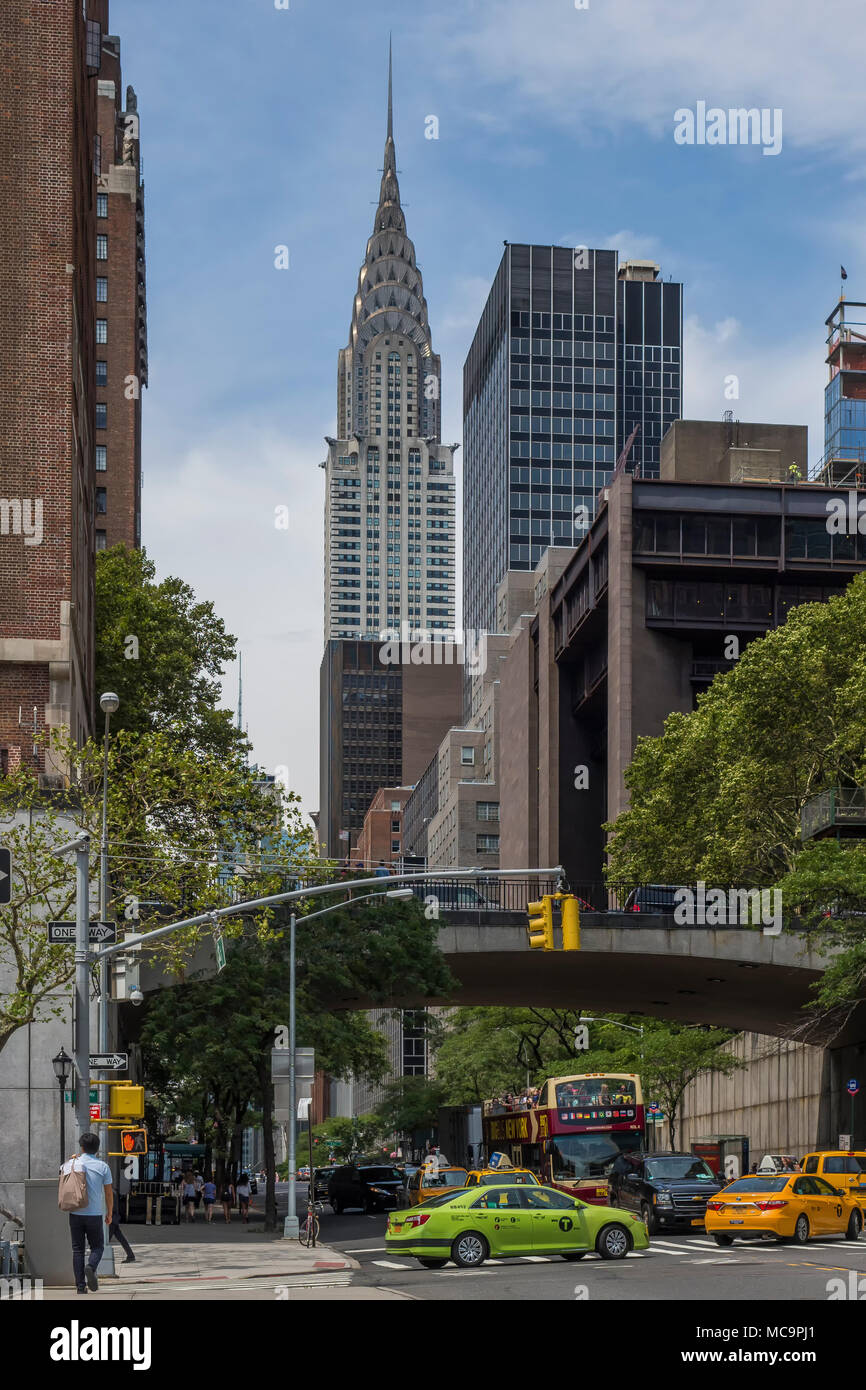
(121, 311)
(49, 67)
(573, 352)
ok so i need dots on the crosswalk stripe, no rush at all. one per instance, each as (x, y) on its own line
(537, 1259)
(389, 1264)
(363, 1249)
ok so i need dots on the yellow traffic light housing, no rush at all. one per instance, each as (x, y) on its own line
(540, 926)
(127, 1102)
(570, 908)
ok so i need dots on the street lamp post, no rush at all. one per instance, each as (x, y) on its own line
(290, 1227)
(62, 1065)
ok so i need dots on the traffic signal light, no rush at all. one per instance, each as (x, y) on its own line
(570, 923)
(540, 926)
(133, 1141)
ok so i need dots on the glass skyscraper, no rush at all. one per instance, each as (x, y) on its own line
(573, 350)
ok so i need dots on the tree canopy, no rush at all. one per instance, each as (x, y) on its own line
(163, 652)
(717, 796)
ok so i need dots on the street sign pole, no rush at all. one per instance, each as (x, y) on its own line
(82, 985)
(290, 1229)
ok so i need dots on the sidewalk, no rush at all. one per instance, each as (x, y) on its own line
(225, 1261)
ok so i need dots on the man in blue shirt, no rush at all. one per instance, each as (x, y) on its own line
(86, 1223)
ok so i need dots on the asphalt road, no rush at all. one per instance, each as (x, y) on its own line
(675, 1268)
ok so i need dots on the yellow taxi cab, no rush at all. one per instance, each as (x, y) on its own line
(500, 1176)
(426, 1183)
(790, 1206)
(840, 1168)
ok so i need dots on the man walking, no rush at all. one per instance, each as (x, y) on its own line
(86, 1223)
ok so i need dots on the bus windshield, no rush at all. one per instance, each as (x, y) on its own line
(590, 1155)
(595, 1090)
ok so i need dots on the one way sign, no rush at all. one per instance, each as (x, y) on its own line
(98, 932)
(5, 875)
(108, 1061)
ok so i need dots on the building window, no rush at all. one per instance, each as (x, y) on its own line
(101, 416)
(395, 805)
(101, 501)
(102, 289)
(487, 844)
(467, 757)
(102, 248)
(101, 373)
(395, 846)
(101, 458)
(100, 540)
(102, 330)
(488, 810)
(101, 205)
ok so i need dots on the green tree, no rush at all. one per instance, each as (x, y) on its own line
(826, 888)
(163, 652)
(171, 814)
(718, 795)
(346, 1137)
(411, 1103)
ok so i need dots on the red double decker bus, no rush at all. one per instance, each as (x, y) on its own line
(573, 1135)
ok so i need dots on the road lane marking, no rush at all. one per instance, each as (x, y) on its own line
(537, 1259)
(363, 1249)
(389, 1264)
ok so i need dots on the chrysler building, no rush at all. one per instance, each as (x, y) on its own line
(390, 491)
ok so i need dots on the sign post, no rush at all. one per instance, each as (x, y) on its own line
(853, 1088)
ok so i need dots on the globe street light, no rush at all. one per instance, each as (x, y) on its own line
(62, 1065)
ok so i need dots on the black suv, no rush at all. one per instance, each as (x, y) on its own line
(368, 1188)
(666, 1189)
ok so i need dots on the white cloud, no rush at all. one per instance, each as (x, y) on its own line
(622, 63)
(212, 522)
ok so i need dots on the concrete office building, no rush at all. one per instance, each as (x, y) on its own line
(573, 352)
(389, 482)
(722, 544)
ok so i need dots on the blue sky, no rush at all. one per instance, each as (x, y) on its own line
(263, 127)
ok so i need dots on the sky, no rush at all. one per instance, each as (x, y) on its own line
(264, 127)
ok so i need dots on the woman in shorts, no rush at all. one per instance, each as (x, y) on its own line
(208, 1194)
(187, 1196)
(228, 1198)
(244, 1195)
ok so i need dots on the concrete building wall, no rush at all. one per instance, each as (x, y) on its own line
(775, 1099)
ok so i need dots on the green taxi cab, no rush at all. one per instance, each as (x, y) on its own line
(479, 1223)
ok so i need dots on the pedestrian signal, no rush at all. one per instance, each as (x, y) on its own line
(133, 1141)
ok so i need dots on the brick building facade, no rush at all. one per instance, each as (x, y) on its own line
(121, 320)
(49, 64)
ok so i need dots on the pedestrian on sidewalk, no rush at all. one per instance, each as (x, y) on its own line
(86, 1223)
(244, 1194)
(209, 1195)
(115, 1232)
(188, 1196)
(199, 1184)
(228, 1198)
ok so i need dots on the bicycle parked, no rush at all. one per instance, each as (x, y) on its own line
(309, 1232)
